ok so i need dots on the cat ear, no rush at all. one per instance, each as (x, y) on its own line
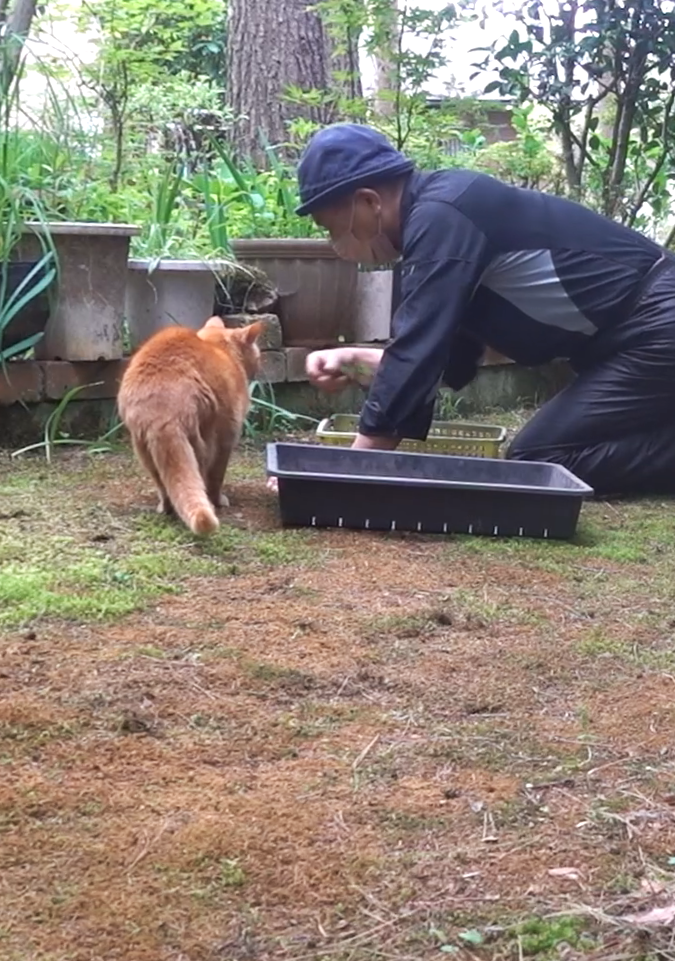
(214, 322)
(250, 333)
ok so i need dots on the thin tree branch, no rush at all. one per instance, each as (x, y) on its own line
(399, 80)
(658, 166)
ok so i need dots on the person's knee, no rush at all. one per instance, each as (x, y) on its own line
(521, 448)
(533, 441)
(584, 462)
(566, 456)
(518, 451)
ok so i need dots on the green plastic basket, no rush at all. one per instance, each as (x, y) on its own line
(445, 437)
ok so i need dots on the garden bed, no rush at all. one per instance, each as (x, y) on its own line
(307, 745)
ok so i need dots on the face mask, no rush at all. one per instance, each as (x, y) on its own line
(378, 251)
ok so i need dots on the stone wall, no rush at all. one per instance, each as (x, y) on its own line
(33, 382)
(31, 389)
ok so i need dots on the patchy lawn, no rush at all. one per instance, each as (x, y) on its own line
(308, 745)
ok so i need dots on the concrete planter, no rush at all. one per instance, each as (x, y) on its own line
(374, 293)
(178, 292)
(88, 317)
(317, 290)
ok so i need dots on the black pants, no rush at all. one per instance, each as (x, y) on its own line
(614, 426)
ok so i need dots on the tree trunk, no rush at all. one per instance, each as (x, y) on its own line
(385, 58)
(14, 26)
(272, 46)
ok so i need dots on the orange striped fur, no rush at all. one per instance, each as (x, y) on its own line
(184, 398)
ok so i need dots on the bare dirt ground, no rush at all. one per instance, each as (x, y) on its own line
(328, 745)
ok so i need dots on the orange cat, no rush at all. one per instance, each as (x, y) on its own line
(184, 398)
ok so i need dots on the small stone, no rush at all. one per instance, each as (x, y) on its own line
(273, 367)
(296, 358)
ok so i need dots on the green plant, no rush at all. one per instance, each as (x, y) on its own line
(137, 43)
(409, 44)
(18, 204)
(603, 73)
(217, 197)
(527, 161)
(241, 201)
(165, 192)
(448, 405)
(12, 302)
(155, 40)
(54, 436)
(266, 417)
(539, 936)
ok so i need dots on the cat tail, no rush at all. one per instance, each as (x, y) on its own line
(179, 471)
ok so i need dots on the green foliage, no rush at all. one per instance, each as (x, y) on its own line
(400, 109)
(161, 162)
(139, 44)
(165, 192)
(241, 201)
(18, 204)
(541, 936)
(13, 301)
(53, 435)
(604, 73)
(151, 40)
(266, 417)
(526, 161)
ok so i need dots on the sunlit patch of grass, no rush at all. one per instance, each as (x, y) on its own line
(64, 554)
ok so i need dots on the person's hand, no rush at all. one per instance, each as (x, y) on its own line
(273, 484)
(365, 442)
(333, 370)
(325, 368)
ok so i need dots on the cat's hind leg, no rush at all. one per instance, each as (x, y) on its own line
(217, 468)
(164, 505)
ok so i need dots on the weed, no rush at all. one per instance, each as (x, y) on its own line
(81, 563)
(266, 417)
(584, 718)
(448, 405)
(285, 677)
(206, 878)
(231, 874)
(37, 732)
(54, 436)
(596, 643)
(413, 625)
(541, 937)
(147, 650)
(285, 547)
(461, 610)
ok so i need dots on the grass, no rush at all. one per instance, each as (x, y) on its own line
(460, 609)
(541, 937)
(622, 533)
(82, 563)
(325, 745)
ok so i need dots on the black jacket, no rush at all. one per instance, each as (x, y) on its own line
(534, 276)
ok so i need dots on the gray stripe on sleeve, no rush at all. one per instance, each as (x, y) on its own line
(528, 280)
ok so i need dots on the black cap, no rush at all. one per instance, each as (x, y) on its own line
(343, 157)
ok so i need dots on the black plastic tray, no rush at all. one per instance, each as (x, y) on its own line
(381, 490)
